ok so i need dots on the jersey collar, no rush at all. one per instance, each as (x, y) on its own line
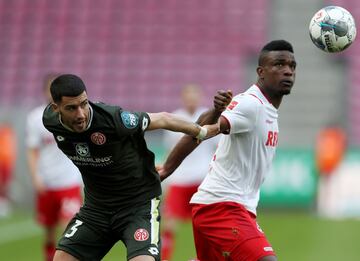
(262, 96)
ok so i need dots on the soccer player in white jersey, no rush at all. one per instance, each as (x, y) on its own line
(184, 182)
(224, 208)
(55, 179)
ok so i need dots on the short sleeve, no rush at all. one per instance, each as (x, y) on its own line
(241, 114)
(132, 122)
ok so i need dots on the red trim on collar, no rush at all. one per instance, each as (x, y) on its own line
(256, 97)
(262, 93)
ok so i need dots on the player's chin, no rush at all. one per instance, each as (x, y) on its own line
(286, 91)
(79, 128)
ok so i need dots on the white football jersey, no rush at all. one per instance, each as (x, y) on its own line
(55, 169)
(195, 166)
(244, 157)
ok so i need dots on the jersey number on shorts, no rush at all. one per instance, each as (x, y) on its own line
(74, 228)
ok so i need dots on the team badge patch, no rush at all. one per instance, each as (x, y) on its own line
(141, 234)
(98, 138)
(130, 120)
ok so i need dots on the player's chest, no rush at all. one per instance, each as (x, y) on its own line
(268, 131)
(88, 144)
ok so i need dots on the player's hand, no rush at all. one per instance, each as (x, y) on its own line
(222, 100)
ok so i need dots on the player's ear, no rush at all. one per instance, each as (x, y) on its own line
(55, 107)
(260, 72)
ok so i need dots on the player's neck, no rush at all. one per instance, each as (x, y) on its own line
(274, 99)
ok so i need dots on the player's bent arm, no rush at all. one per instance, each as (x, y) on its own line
(224, 125)
(221, 101)
(185, 146)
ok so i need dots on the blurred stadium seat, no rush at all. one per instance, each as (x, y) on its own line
(134, 53)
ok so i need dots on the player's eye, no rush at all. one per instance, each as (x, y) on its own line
(70, 108)
(84, 104)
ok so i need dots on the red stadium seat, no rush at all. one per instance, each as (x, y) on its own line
(134, 53)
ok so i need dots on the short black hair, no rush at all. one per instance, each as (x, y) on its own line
(66, 85)
(276, 45)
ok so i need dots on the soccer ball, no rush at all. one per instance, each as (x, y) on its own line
(332, 29)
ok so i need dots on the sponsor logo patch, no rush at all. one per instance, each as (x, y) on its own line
(129, 119)
(268, 249)
(141, 234)
(98, 138)
(60, 138)
(154, 251)
(82, 149)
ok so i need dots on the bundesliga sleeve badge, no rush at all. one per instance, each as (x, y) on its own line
(130, 120)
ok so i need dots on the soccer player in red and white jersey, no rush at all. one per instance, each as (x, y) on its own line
(55, 179)
(184, 182)
(224, 208)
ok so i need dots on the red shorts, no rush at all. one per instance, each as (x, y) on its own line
(6, 172)
(227, 231)
(58, 205)
(176, 203)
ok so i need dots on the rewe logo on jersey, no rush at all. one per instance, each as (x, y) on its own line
(272, 139)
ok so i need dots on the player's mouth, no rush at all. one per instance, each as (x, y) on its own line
(79, 124)
(287, 83)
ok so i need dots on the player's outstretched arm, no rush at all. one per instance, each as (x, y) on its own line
(172, 122)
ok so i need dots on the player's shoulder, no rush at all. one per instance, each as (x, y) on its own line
(252, 97)
(103, 111)
(50, 116)
(254, 94)
(103, 106)
(245, 100)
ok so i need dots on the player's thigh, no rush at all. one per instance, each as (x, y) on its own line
(142, 233)
(142, 258)
(226, 228)
(63, 256)
(268, 258)
(254, 249)
(86, 240)
(204, 249)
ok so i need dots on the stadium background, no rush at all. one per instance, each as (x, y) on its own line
(138, 54)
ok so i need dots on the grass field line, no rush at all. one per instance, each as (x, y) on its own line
(17, 231)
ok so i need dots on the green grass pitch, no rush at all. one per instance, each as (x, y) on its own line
(295, 236)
